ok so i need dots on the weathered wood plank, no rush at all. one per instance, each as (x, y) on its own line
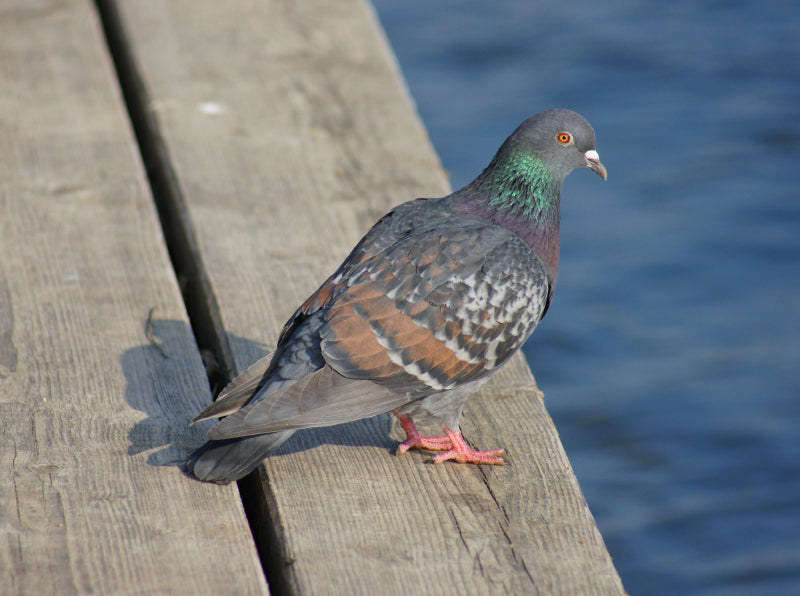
(290, 132)
(90, 500)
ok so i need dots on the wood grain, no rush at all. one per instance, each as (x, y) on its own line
(94, 417)
(289, 132)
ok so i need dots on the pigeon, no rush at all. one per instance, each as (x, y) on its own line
(432, 301)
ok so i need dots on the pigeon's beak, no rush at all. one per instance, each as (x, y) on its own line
(593, 163)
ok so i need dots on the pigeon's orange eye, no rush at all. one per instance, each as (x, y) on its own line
(564, 137)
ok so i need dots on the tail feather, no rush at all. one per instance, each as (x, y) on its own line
(224, 461)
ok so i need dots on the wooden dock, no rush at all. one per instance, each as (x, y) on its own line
(219, 159)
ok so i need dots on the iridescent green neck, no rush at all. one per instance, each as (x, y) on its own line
(518, 191)
(520, 186)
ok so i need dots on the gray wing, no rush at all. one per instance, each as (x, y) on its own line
(435, 309)
(238, 392)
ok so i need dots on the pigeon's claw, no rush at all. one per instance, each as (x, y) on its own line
(463, 454)
(414, 440)
(452, 444)
(429, 443)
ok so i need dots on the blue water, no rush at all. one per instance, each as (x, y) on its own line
(671, 356)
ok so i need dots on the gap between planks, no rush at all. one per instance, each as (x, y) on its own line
(198, 296)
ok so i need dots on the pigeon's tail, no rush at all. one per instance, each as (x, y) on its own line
(224, 461)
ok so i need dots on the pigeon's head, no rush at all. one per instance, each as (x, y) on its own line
(563, 140)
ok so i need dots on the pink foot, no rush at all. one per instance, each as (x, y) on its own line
(416, 441)
(462, 453)
(453, 445)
